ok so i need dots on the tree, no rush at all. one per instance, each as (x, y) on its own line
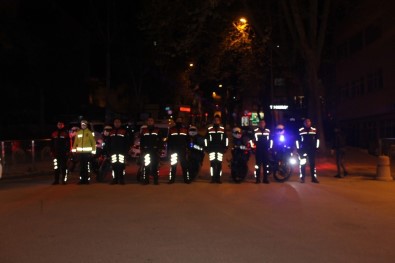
(307, 22)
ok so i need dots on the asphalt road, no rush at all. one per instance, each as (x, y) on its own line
(338, 220)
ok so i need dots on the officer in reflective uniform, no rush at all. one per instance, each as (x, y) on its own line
(177, 146)
(216, 143)
(150, 145)
(307, 145)
(85, 146)
(60, 149)
(263, 145)
(118, 148)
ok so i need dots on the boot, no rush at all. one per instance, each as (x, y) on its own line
(156, 180)
(56, 179)
(265, 179)
(314, 180)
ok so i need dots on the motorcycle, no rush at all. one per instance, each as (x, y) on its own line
(283, 159)
(239, 162)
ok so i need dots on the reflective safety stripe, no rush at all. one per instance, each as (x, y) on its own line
(84, 149)
(211, 156)
(147, 159)
(173, 158)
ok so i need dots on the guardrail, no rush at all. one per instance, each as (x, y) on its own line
(25, 157)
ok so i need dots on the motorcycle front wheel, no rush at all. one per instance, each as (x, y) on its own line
(282, 171)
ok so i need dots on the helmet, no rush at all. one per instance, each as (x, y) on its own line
(237, 133)
(280, 129)
(192, 131)
(107, 129)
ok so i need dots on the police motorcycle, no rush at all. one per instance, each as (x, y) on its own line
(283, 157)
(241, 151)
(195, 152)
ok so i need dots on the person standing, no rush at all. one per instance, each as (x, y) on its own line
(338, 148)
(240, 155)
(307, 145)
(195, 153)
(85, 146)
(150, 145)
(216, 143)
(177, 146)
(103, 155)
(118, 147)
(263, 144)
(60, 149)
(72, 160)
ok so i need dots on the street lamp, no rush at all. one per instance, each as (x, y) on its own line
(242, 27)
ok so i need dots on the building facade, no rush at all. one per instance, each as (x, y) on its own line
(363, 99)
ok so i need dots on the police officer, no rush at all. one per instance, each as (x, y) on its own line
(240, 155)
(103, 158)
(118, 148)
(60, 149)
(307, 145)
(195, 154)
(85, 146)
(263, 145)
(150, 145)
(216, 143)
(339, 149)
(177, 146)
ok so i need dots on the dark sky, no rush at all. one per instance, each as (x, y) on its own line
(50, 49)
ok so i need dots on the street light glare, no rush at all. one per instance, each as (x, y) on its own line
(243, 20)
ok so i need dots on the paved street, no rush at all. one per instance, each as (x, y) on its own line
(338, 220)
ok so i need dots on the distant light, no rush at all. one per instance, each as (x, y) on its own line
(191, 65)
(220, 85)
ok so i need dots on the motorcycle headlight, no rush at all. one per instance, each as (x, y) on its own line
(292, 161)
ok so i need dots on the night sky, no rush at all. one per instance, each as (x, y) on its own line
(50, 50)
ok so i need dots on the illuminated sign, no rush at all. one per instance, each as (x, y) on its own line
(278, 107)
(245, 121)
(185, 109)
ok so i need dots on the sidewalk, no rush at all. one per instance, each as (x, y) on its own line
(358, 162)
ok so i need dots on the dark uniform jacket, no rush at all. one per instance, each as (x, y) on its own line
(308, 139)
(118, 142)
(60, 145)
(216, 139)
(178, 139)
(150, 139)
(262, 140)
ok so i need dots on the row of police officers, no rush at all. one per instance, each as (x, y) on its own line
(184, 147)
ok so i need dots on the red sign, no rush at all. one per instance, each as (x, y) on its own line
(185, 109)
